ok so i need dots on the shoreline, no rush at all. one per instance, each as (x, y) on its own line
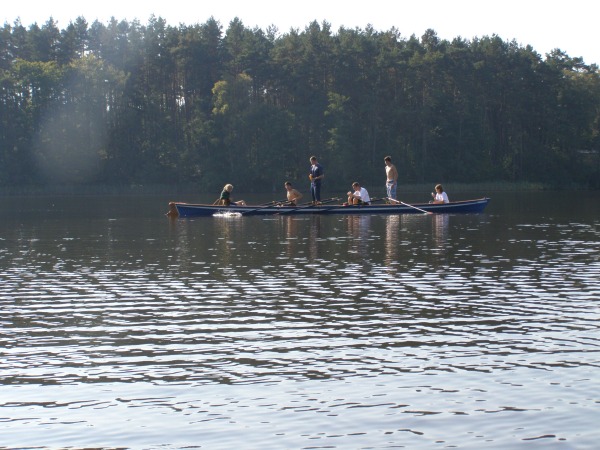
(175, 190)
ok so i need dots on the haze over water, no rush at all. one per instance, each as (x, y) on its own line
(122, 328)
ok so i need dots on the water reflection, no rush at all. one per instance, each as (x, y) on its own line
(291, 235)
(288, 332)
(359, 229)
(392, 234)
(314, 236)
(440, 224)
(228, 238)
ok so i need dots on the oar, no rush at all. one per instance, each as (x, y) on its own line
(330, 208)
(410, 206)
(308, 206)
(329, 200)
(261, 206)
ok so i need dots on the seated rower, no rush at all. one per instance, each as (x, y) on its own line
(360, 196)
(440, 196)
(293, 195)
(225, 198)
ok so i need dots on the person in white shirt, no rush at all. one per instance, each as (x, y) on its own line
(360, 196)
(439, 196)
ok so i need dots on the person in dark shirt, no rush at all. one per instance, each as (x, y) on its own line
(316, 176)
(225, 198)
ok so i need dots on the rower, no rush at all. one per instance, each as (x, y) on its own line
(439, 196)
(225, 198)
(359, 196)
(293, 195)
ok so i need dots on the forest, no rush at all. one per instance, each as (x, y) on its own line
(122, 103)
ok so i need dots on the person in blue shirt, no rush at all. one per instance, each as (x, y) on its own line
(315, 176)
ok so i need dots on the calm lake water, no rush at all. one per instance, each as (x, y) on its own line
(122, 328)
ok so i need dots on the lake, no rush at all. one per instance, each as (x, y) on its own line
(120, 327)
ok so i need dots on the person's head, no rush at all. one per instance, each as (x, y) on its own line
(439, 188)
(356, 186)
(313, 159)
(228, 187)
(288, 185)
(387, 160)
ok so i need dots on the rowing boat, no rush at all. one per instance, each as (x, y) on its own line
(198, 210)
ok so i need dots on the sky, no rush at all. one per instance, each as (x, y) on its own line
(544, 24)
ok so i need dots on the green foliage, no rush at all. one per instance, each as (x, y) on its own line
(124, 103)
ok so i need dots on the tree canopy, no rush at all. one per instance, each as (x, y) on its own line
(123, 103)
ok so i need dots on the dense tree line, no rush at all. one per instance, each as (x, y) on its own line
(123, 103)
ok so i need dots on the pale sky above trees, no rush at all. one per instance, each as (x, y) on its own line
(543, 24)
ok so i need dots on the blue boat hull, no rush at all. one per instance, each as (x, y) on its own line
(199, 210)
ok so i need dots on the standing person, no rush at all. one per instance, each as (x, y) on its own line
(225, 198)
(292, 194)
(440, 196)
(315, 176)
(392, 178)
(360, 196)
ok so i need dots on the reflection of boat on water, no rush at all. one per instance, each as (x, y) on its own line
(392, 249)
(358, 226)
(196, 210)
(440, 229)
(359, 229)
(441, 242)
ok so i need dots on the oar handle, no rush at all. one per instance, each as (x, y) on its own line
(333, 199)
(259, 207)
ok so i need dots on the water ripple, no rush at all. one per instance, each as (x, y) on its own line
(398, 326)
